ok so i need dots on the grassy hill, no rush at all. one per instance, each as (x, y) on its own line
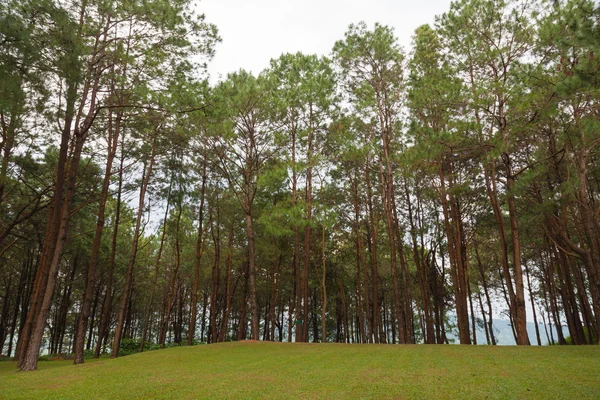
(260, 370)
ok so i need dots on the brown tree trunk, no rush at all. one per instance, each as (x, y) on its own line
(52, 233)
(89, 342)
(296, 298)
(359, 260)
(58, 223)
(324, 289)
(38, 325)
(473, 319)
(252, 276)
(487, 294)
(228, 295)
(216, 276)
(172, 298)
(387, 193)
(107, 303)
(243, 323)
(454, 235)
(421, 271)
(531, 298)
(156, 269)
(374, 317)
(125, 298)
(519, 307)
(307, 229)
(485, 325)
(20, 303)
(113, 140)
(8, 136)
(275, 282)
(199, 252)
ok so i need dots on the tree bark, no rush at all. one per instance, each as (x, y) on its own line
(113, 140)
(134, 248)
(156, 269)
(198, 258)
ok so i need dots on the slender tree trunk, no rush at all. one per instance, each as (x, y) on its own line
(228, 294)
(274, 297)
(51, 236)
(156, 269)
(216, 276)
(454, 235)
(296, 298)
(359, 259)
(485, 325)
(93, 319)
(387, 194)
(125, 298)
(323, 288)
(252, 276)
(199, 252)
(91, 272)
(29, 361)
(57, 230)
(203, 322)
(373, 233)
(486, 292)
(19, 301)
(473, 319)
(531, 296)
(520, 312)
(4, 313)
(421, 271)
(107, 303)
(172, 298)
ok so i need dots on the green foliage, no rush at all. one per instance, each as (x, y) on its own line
(586, 335)
(131, 346)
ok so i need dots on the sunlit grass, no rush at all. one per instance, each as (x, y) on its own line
(318, 371)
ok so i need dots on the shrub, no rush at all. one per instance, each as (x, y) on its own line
(586, 334)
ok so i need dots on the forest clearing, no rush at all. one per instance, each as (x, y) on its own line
(263, 370)
(373, 218)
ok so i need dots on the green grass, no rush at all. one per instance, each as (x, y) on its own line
(250, 370)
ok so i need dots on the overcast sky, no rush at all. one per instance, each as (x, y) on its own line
(254, 31)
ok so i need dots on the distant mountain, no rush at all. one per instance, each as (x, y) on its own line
(504, 336)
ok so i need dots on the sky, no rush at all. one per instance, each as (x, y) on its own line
(254, 31)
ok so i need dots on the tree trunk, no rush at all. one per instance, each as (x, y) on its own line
(252, 276)
(172, 298)
(38, 325)
(107, 303)
(199, 252)
(531, 296)
(216, 276)
(520, 312)
(372, 244)
(228, 295)
(51, 236)
(156, 269)
(454, 235)
(134, 247)
(113, 139)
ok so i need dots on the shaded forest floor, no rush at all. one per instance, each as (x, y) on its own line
(315, 371)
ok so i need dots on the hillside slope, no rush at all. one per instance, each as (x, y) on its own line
(261, 370)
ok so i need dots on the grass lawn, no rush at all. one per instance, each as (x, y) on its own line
(260, 370)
